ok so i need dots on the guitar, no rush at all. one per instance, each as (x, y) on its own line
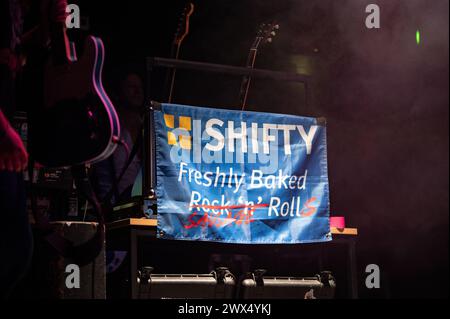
(78, 124)
(180, 35)
(265, 35)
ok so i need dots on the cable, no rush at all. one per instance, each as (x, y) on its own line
(85, 210)
(130, 156)
(125, 146)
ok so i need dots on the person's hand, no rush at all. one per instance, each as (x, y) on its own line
(13, 156)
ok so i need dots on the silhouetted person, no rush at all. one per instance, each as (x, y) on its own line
(128, 103)
(15, 233)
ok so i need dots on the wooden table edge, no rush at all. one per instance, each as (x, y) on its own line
(144, 222)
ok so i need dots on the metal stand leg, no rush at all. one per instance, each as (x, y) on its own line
(352, 269)
(133, 264)
(148, 176)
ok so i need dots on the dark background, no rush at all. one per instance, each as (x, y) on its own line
(385, 98)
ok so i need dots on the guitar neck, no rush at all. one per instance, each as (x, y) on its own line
(182, 32)
(175, 55)
(246, 80)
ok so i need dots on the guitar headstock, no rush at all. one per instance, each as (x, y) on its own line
(266, 33)
(183, 26)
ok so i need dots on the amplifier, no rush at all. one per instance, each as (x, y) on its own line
(55, 277)
(219, 284)
(258, 286)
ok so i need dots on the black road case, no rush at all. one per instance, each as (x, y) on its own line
(257, 286)
(220, 284)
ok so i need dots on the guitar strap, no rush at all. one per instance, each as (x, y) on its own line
(137, 145)
(115, 186)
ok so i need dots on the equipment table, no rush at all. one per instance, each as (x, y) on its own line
(130, 231)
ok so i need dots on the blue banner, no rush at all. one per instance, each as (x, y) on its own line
(241, 177)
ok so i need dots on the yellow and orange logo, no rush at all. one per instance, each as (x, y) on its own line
(184, 123)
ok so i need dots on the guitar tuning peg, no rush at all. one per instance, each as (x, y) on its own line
(269, 40)
(273, 33)
(276, 26)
